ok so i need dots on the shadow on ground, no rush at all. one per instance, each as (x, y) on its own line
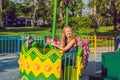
(92, 68)
(9, 68)
(10, 63)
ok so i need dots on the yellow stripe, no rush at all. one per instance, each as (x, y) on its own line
(40, 54)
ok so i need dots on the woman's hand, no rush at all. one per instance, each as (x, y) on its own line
(53, 44)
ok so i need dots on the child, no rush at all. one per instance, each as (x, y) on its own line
(68, 41)
(28, 41)
(67, 45)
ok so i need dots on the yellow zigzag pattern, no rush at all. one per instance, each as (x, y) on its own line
(47, 67)
(37, 66)
(40, 54)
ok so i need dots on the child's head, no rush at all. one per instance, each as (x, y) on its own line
(119, 45)
(27, 38)
(67, 31)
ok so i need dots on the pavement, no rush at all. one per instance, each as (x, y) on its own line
(9, 67)
(94, 66)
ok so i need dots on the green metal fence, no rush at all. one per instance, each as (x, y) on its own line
(100, 43)
(9, 44)
(12, 44)
(40, 40)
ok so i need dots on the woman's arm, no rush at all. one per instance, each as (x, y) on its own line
(62, 42)
(67, 47)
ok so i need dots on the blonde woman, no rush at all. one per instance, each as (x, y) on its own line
(67, 45)
(68, 41)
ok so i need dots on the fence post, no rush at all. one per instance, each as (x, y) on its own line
(44, 43)
(95, 44)
(8, 44)
(14, 43)
(2, 44)
(5, 44)
(18, 44)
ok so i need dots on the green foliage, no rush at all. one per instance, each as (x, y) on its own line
(75, 7)
(81, 22)
(107, 8)
(105, 29)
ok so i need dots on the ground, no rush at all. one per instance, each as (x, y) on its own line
(9, 67)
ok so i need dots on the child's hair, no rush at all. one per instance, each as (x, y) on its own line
(64, 38)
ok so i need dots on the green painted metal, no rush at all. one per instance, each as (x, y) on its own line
(34, 53)
(68, 69)
(67, 14)
(73, 66)
(79, 53)
(54, 18)
(9, 44)
(39, 41)
(111, 65)
(70, 64)
(53, 57)
(31, 76)
(64, 68)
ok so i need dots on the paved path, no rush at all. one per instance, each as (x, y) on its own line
(93, 66)
(9, 67)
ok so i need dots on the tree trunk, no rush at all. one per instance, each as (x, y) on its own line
(116, 21)
(35, 10)
(33, 20)
(61, 18)
(94, 12)
(116, 25)
(1, 22)
(94, 7)
(116, 16)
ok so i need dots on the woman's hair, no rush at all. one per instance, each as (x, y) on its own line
(64, 38)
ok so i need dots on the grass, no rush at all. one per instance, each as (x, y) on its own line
(40, 31)
(105, 29)
(24, 30)
(46, 31)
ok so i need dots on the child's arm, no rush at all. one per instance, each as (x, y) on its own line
(27, 41)
(67, 47)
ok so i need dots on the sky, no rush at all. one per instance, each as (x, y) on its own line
(17, 0)
(85, 1)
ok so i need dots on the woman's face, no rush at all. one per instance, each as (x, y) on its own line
(68, 32)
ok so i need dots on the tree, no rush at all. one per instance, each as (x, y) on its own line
(75, 8)
(8, 10)
(11, 10)
(108, 8)
(33, 6)
(44, 10)
(1, 14)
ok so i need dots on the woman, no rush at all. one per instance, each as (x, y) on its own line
(68, 41)
(67, 45)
